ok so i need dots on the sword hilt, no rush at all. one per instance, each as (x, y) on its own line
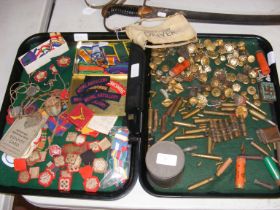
(126, 10)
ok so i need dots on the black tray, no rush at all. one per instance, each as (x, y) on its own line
(16, 76)
(161, 192)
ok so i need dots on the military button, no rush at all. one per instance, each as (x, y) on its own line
(243, 58)
(257, 102)
(236, 87)
(193, 101)
(241, 111)
(223, 58)
(165, 68)
(205, 60)
(251, 90)
(246, 80)
(153, 66)
(202, 77)
(219, 42)
(212, 54)
(251, 59)
(216, 92)
(256, 96)
(194, 68)
(228, 92)
(253, 81)
(217, 61)
(215, 83)
(207, 68)
(207, 88)
(229, 48)
(243, 93)
(191, 48)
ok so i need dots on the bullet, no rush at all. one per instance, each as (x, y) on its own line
(228, 109)
(262, 151)
(260, 116)
(155, 123)
(252, 157)
(191, 113)
(212, 132)
(228, 105)
(243, 127)
(228, 129)
(263, 184)
(200, 183)
(209, 145)
(170, 109)
(176, 107)
(224, 167)
(189, 125)
(235, 126)
(171, 132)
(193, 131)
(255, 107)
(202, 120)
(222, 129)
(210, 157)
(216, 113)
(186, 137)
(163, 123)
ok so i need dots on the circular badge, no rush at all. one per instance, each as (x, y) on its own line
(63, 61)
(8, 160)
(40, 76)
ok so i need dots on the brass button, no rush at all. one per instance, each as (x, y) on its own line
(228, 92)
(251, 90)
(236, 87)
(216, 92)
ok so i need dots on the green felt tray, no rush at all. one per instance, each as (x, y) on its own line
(197, 169)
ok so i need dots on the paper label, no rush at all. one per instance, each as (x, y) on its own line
(80, 37)
(18, 139)
(102, 124)
(161, 14)
(134, 70)
(271, 58)
(166, 159)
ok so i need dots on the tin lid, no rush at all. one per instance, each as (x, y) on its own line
(165, 160)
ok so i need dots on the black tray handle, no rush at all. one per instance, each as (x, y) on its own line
(135, 98)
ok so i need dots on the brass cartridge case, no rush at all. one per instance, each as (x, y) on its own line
(191, 113)
(155, 120)
(186, 137)
(189, 125)
(168, 134)
(224, 167)
(199, 130)
(200, 183)
(176, 107)
(210, 157)
(255, 107)
(163, 123)
(216, 113)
